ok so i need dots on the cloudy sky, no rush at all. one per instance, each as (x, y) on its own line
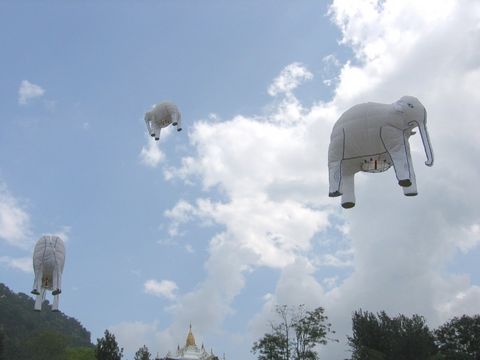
(216, 224)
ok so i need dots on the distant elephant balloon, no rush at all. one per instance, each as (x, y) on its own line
(162, 115)
(48, 263)
(371, 137)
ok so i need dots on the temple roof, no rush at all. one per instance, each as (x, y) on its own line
(191, 351)
(190, 338)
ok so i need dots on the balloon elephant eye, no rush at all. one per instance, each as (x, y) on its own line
(411, 106)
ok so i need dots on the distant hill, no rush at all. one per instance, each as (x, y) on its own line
(21, 328)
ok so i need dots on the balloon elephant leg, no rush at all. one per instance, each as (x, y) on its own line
(37, 283)
(176, 121)
(412, 189)
(336, 165)
(56, 281)
(39, 300)
(56, 301)
(156, 132)
(342, 181)
(399, 152)
(335, 178)
(348, 189)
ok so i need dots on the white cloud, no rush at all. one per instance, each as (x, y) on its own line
(401, 255)
(210, 302)
(28, 91)
(151, 155)
(163, 288)
(133, 335)
(273, 202)
(463, 302)
(331, 66)
(341, 258)
(63, 233)
(14, 220)
(24, 264)
(271, 174)
(297, 285)
(470, 238)
(181, 213)
(289, 79)
(330, 282)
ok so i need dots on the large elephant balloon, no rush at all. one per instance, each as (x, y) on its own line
(162, 115)
(371, 137)
(48, 263)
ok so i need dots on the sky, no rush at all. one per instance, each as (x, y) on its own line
(215, 225)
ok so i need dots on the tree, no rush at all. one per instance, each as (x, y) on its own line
(47, 345)
(81, 353)
(21, 325)
(142, 354)
(295, 336)
(271, 347)
(2, 343)
(381, 337)
(460, 338)
(310, 330)
(107, 348)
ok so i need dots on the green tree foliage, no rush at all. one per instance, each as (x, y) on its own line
(399, 338)
(459, 339)
(81, 353)
(142, 354)
(107, 348)
(271, 347)
(47, 345)
(21, 324)
(2, 343)
(295, 336)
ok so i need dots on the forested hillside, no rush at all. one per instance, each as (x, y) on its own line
(25, 333)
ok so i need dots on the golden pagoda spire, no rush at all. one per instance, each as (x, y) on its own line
(190, 338)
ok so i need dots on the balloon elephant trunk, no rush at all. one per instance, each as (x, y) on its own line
(426, 142)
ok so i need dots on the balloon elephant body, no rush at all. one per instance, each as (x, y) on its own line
(48, 262)
(162, 115)
(371, 137)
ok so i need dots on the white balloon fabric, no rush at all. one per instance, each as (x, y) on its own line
(371, 137)
(48, 263)
(162, 115)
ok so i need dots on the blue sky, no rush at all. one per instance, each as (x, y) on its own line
(217, 224)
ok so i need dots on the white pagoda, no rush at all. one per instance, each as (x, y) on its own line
(190, 351)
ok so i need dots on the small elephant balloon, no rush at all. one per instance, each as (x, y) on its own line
(371, 137)
(162, 115)
(48, 263)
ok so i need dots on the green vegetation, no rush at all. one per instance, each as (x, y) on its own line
(30, 335)
(295, 336)
(377, 336)
(382, 337)
(459, 339)
(81, 353)
(298, 333)
(142, 354)
(107, 348)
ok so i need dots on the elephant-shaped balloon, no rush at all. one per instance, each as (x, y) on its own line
(162, 115)
(371, 137)
(48, 263)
